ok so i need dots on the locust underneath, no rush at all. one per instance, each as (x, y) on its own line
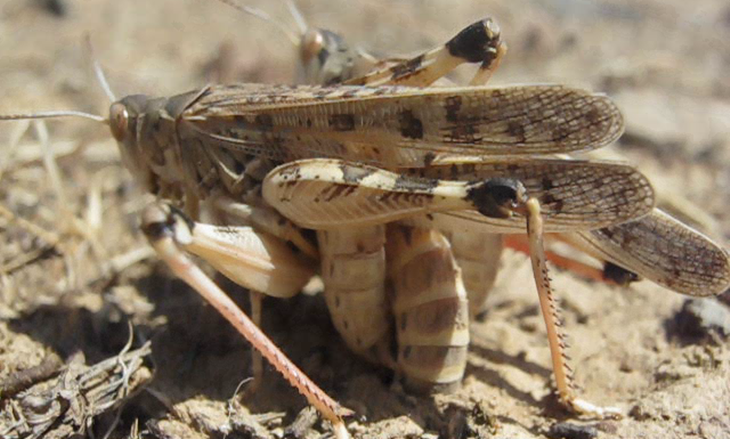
(376, 159)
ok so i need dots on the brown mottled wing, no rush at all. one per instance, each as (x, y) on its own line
(401, 126)
(664, 250)
(573, 194)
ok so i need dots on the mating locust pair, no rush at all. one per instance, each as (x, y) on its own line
(408, 187)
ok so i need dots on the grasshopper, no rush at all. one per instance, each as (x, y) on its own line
(658, 247)
(354, 161)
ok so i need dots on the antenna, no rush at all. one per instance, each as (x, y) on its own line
(268, 18)
(298, 17)
(52, 114)
(72, 113)
(99, 71)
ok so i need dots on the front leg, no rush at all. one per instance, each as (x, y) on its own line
(251, 259)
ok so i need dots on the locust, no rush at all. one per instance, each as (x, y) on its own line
(383, 168)
(657, 247)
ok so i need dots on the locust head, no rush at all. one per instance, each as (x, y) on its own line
(324, 57)
(142, 134)
(124, 119)
(144, 129)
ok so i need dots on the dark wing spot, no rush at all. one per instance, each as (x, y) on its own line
(593, 116)
(608, 232)
(342, 122)
(454, 171)
(264, 121)
(555, 204)
(516, 130)
(453, 106)
(411, 127)
(547, 184)
(428, 159)
(560, 133)
(465, 133)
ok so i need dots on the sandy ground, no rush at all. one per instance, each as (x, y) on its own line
(664, 62)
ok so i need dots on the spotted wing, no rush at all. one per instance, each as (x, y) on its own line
(573, 194)
(398, 127)
(664, 250)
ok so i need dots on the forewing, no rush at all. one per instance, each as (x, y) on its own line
(402, 126)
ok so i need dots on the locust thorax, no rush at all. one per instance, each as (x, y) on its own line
(145, 130)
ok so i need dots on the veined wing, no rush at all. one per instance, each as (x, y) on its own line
(401, 126)
(664, 250)
(573, 194)
(576, 195)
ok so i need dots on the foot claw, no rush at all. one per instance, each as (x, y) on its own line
(584, 407)
(340, 431)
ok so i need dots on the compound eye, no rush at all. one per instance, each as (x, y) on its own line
(312, 45)
(118, 120)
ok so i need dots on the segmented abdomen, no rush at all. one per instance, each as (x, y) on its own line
(477, 253)
(430, 306)
(353, 271)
